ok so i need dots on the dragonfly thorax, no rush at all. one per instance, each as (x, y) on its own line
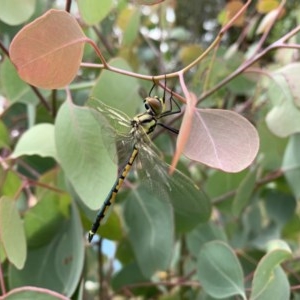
(143, 123)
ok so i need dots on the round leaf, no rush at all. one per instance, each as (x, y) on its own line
(117, 90)
(222, 139)
(291, 74)
(94, 11)
(283, 118)
(47, 52)
(38, 140)
(60, 262)
(82, 154)
(266, 273)
(15, 12)
(219, 271)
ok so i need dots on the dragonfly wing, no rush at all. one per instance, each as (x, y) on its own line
(119, 121)
(190, 204)
(115, 130)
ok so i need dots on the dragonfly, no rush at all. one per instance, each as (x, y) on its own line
(132, 138)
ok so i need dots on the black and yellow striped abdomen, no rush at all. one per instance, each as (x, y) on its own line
(110, 199)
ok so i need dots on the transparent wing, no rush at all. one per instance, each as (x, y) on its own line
(191, 206)
(115, 129)
(117, 119)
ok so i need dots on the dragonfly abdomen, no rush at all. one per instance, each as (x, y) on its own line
(110, 199)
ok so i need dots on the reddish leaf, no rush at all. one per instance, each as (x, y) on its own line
(222, 139)
(47, 52)
(231, 9)
(185, 129)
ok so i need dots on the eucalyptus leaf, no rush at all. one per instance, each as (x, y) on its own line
(219, 271)
(291, 164)
(151, 230)
(83, 155)
(269, 280)
(38, 140)
(56, 265)
(12, 234)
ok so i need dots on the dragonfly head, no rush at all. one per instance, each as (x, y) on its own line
(154, 105)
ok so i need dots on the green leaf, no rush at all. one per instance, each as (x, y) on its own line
(57, 265)
(4, 136)
(82, 154)
(150, 224)
(242, 85)
(269, 281)
(277, 288)
(189, 53)
(11, 183)
(15, 89)
(117, 90)
(291, 164)
(219, 271)
(202, 234)
(283, 118)
(12, 235)
(220, 183)
(38, 140)
(129, 22)
(94, 11)
(14, 12)
(243, 193)
(272, 148)
(45, 219)
(124, 252)
(291, 73)
(191, 205)
(280, 207)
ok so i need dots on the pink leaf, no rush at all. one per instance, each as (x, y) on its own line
(47, 52)
(185, 129)
(222, 139)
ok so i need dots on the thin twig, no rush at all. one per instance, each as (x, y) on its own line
(68, 5)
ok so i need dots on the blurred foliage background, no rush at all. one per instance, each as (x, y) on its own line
(249, 249)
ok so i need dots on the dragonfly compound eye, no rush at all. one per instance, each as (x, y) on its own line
(155, 105)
